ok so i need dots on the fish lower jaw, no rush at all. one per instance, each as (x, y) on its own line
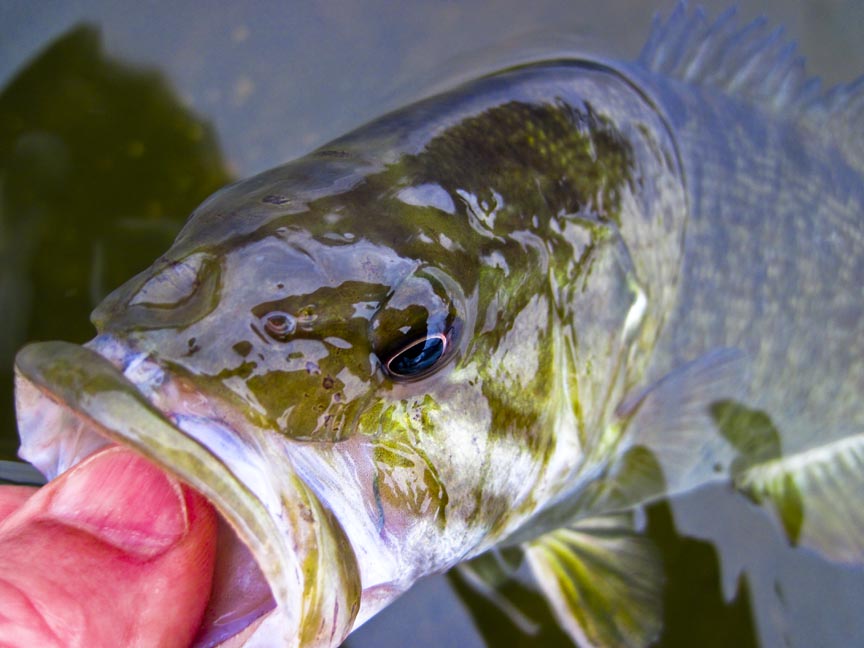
(283, 564)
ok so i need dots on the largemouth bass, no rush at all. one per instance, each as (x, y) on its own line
(507, 315)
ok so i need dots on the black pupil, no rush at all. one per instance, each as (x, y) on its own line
(417, 358)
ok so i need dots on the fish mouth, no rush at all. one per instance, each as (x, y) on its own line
(280, 550)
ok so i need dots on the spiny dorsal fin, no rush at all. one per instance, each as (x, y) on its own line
(749, 61)
(756, 63)
(841, 112)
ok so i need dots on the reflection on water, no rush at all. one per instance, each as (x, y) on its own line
(99, 166)
(697, 611)
(101, 162)
(693, 604)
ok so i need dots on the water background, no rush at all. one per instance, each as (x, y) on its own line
(117, 118)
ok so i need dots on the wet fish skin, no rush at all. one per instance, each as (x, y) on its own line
(334, 239)
(480, 214)
(563, 232)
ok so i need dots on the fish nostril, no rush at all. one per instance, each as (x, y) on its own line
(171, 294)
(175, 283)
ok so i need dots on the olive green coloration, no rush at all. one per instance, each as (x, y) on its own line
(492, 221)
(508, 314)
(327, 265)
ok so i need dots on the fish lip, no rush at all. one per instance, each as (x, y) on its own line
(282, 524)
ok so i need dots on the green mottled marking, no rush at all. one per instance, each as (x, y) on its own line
(508, 221)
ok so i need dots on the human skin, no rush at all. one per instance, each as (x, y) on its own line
(112, 553)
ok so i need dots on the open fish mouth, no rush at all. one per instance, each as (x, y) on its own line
(280, 548)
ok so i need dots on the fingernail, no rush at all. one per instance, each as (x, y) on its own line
(124, 500)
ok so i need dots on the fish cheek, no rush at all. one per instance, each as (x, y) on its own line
(517, 368)
(406, 485)
(309, 403)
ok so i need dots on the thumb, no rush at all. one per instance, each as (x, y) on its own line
(112, 553)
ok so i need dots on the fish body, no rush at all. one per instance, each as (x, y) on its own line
(507, 314)
(774, 249)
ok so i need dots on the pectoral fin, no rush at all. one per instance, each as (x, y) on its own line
(668, 441)
(603, 580)
(672, 419)
(664, 441)
(816, 494)
(504, 602)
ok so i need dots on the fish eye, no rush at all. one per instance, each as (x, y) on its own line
(279, 325)
(417, 358)
(416, 330)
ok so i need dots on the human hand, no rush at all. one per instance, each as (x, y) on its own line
(112, 553)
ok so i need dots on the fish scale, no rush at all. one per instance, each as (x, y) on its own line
(776, 238)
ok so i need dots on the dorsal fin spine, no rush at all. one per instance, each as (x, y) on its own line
(752, 63)
(695, 68)
(739, 60)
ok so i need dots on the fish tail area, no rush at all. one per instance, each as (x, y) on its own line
(603, 580)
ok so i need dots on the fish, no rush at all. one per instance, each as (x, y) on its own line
(509, 315)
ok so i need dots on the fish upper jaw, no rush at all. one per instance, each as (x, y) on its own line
(71, 401)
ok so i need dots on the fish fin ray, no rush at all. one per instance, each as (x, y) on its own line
(840, 112)
(751, 61)
(603, 580)
(742, 59)
(816, 495)
(665, 441)
(671, 442)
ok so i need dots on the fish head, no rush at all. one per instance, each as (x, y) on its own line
(382, 359)
(321, 361)
(344, 327)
